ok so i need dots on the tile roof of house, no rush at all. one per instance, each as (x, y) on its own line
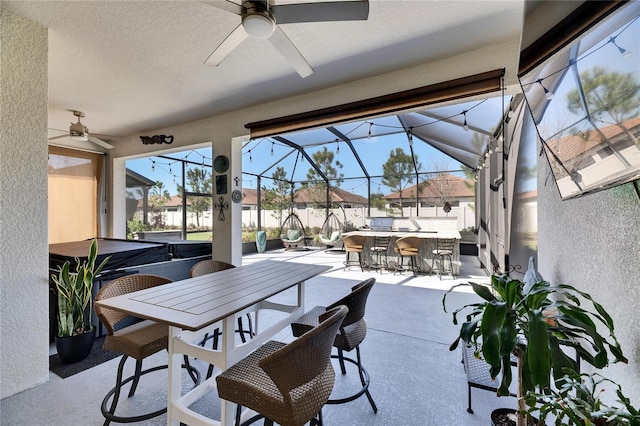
(457, 187)
(571, 146)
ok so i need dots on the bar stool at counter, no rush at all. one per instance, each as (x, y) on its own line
(354, 244)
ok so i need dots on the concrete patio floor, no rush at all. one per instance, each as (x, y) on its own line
(415, 379)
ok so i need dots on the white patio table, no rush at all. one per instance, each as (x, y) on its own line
(196, 303)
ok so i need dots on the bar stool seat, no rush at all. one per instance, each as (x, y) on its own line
(135, 338)
(354, 244)
(286, 383)
(352, 332)
(408, 247)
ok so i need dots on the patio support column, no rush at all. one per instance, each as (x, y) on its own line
(227, 215)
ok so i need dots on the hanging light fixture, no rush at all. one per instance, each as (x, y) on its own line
(624, 52)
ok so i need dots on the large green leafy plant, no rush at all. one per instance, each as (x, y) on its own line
(535, 321)
(577, 401)
(75, 293)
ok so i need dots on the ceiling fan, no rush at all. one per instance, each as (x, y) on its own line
(80, 132)
(260, 19)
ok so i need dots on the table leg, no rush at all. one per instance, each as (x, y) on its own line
(174, 389)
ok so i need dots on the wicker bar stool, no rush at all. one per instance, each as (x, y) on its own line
(354, 244)
(408, 247)
(352, 332)
(286, 383)
(135, 338)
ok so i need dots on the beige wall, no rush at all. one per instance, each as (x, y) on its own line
(24, 252)
(593, 243)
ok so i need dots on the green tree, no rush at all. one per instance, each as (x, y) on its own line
(158, 198)
(317, 187)
(278, 197)
(377, 200)
(199, 180)
(398, 171)
(607, 94)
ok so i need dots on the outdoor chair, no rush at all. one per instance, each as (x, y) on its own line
(354, 244)
(442, 252)
(478, 374)
(292, 232)
(330, 232)
(352, 332)
(135, 338)
(408, 247)
(286, 383)
(378, 249)
(208, 267)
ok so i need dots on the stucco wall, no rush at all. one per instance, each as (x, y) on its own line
(593, 243)
(24, 300)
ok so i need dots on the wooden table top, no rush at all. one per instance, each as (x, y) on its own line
(195, 303)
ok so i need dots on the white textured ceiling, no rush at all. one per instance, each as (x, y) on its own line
(134, 66)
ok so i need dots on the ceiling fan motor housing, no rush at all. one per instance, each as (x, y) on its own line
(258, 21)
(78, 131)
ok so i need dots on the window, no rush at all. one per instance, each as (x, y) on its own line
(74, 188)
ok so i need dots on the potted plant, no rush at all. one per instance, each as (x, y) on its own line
(576, 401)
(75, 334)
(534, 320)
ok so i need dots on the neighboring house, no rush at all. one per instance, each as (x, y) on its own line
(436, 192)
(315, 197)
(138, 195)
(583, 159)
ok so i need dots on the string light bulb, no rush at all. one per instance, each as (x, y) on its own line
(272, 148)
(153, 166)
(250, 157)
(465, 126)
(547, 93)
(410, 136)
(624, 52)
(370, 126)
(337, 147)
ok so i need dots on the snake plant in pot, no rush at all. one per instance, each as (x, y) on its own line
(75, 332)
(545, 325)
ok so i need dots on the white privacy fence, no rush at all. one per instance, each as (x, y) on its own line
(311, 217)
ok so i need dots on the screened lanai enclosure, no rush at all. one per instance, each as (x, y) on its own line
(464, 150)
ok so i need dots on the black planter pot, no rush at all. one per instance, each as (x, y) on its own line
(499, 417)
(75, 348)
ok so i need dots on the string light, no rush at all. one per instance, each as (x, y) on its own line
(250, 157)
(272, 148)
(465, 126)
(547, 93)
(370, 126)
(626, 53)
(410, 136)
(153, 166)
(337, 146)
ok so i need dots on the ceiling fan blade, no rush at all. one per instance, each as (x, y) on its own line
(286, 48)
(232, 41)
(59, 137)
(357, 10)
(227, 5)
(100, 142)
